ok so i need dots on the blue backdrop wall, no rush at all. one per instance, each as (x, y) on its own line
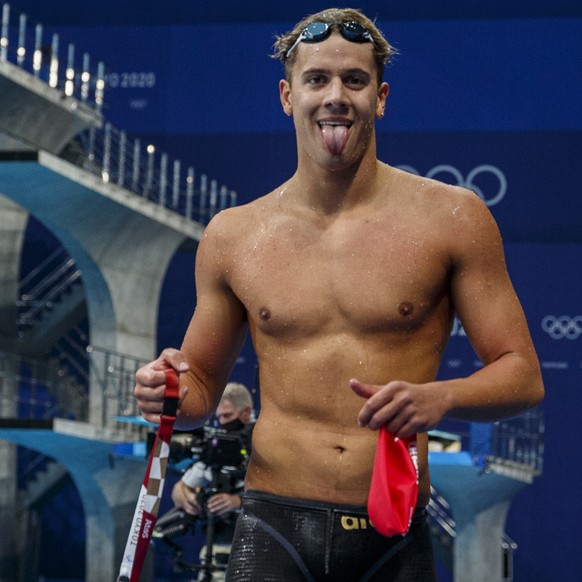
(485, 96)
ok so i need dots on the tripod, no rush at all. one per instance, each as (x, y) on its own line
(223, 455)
(208, 566)
(177, 522)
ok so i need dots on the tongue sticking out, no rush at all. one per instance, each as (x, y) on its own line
(334, 137)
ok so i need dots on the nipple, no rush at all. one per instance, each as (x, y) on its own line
(406, 308)
(265, 314)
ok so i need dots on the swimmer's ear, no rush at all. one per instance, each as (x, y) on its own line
(285, 96)
(381, 101)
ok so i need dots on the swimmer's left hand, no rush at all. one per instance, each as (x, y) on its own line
(403, 408)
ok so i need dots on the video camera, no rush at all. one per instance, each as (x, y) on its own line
(224, 452)
(215, 447)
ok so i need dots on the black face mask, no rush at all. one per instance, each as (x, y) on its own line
(233, 425)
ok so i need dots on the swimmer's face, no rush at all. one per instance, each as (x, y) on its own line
(334, 97)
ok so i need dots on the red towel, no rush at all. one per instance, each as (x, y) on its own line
(394, 487)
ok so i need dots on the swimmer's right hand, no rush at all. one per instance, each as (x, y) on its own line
(150, 383)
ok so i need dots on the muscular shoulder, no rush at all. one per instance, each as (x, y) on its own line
(230, 225)
(437, 196)
(231, 232)
(464, 216)
(453, 209)
(454, 221)
(466, 226)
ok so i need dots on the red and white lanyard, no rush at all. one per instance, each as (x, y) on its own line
(148, 503)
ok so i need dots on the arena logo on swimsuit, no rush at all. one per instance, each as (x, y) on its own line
(352, 522)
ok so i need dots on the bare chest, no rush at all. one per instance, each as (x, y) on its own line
(364, 276)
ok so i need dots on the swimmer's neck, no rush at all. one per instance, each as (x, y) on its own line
(330, 192)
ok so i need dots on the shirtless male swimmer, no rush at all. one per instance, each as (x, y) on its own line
(348, 277)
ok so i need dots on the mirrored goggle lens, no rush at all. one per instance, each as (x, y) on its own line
(355, 32)
(315, 32)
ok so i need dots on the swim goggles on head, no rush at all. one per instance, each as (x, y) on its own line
(318, 31)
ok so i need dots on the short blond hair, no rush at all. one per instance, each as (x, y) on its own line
(383, 51)
(239, 395)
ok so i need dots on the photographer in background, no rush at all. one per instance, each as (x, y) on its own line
(235, 415)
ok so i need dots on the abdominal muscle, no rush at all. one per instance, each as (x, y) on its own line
(307, 443)
(312, 463)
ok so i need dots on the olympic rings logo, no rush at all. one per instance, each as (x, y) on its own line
(563, 327)
(484, 172)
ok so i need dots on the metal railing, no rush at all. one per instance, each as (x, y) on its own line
(111, 155)
(44, 285)
(102, 149)
(71, 354)
(39, 389)
(114, 374)
(438, 510)
(26, 46)
(511, 446)
(520, 440)
(45, 389)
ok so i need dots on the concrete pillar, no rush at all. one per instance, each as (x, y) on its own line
(479, 502)
(478, 555)
(13, 221)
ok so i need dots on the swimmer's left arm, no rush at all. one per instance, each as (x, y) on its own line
(510, 381)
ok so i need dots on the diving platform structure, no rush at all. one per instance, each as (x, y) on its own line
(119, 210)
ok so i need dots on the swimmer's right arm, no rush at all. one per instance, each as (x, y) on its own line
(211, 345)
